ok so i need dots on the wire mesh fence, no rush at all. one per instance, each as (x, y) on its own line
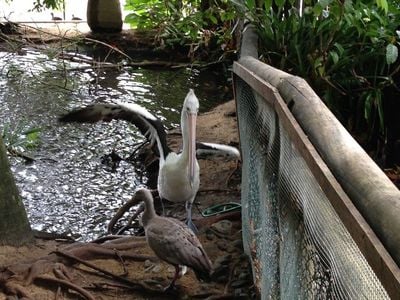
(299, 246)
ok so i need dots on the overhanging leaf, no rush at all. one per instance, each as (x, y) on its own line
(324, 3)
(334, 56)
(251, 4)
(368, 108)
(383, 4)
(267, 4)
(380, 111)
(280, 3)
(391, 54)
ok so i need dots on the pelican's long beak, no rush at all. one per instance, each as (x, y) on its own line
(192, 145)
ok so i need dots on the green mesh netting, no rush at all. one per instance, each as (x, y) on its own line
(299, 247)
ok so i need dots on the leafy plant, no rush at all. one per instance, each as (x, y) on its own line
(191, 23)
(347, 51)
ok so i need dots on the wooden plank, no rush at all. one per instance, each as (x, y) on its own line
(369, 244)
(264, 89)
(234, 76)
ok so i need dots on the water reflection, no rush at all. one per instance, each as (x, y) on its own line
(67, 189)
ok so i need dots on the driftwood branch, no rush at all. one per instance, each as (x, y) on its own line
(16, 153)
(136, 285)
(66, 284)
(94, 267)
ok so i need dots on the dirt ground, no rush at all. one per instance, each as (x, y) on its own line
(221, 238)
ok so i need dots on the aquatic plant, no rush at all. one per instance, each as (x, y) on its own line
(20, 138)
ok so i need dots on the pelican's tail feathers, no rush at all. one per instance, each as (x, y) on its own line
(216, 150)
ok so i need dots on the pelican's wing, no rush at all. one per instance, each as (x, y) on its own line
(150, 126)
(175, 243)
(204, 150)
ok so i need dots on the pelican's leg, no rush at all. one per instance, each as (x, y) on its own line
(189, 221)
(162, 206)
(172, 286)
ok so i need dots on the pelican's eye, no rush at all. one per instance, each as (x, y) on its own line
(189, 111)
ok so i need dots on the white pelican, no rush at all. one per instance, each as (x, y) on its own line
(178, 178)
(172, 241)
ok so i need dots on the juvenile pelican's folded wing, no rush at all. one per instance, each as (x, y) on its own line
(150, 126)
(175, 243)
(205, 150)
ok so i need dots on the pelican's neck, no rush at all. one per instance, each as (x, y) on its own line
(149, 211)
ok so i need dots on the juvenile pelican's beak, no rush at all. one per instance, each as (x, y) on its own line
(192, 145)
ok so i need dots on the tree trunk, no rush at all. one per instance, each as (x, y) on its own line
(104, 15)
(14, 225)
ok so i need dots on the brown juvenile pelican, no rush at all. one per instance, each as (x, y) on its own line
(54, 18)
(76, 18)
(178, 178)
(172, 240)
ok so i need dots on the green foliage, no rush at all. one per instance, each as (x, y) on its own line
(39, 5)
(20, 138)
(191, 23)
(146, 13)
(383, 4)
(347, 51)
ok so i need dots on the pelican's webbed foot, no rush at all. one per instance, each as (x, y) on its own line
(171, 288)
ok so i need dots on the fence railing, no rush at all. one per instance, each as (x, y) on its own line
(320, 219)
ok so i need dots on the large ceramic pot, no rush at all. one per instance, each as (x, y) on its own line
(104, 15)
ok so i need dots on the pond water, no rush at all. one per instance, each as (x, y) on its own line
(67, 189)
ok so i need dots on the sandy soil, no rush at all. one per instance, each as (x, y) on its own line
(220, 183)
